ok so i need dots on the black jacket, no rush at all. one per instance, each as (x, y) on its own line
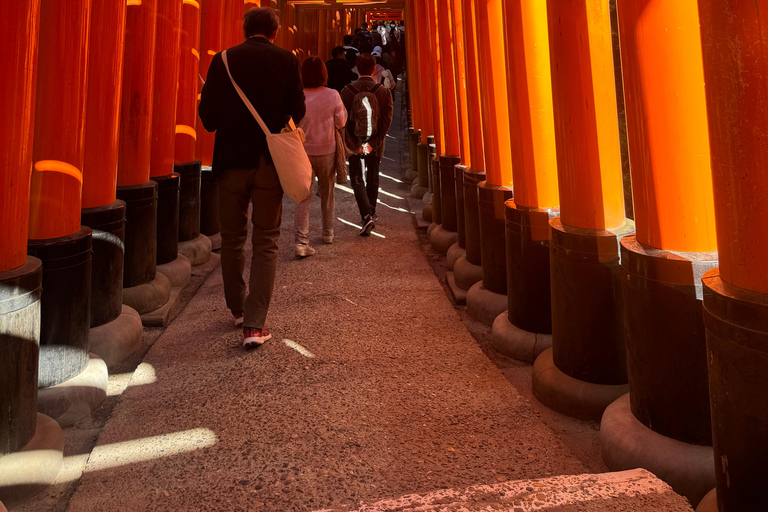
(270, 78)
(339, 73)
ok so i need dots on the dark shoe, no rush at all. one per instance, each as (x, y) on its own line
(368, 226)
(255, 337)
(374, 216)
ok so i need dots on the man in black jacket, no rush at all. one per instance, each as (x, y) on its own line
(270, 78)
(339, 71)
(370, 151)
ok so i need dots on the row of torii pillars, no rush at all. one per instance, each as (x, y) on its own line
(106, 194)
(657, 325)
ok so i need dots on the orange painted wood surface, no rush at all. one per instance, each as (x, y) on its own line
(420, 39)
(452, 144)
(667, 124)
(19, 24)
(138, 84)
(474, 107)
(189, 68)
(489, 27)
(59, 141)
(735, 54)
(529, 85)
(586, 119)
(432, 40)
(414, 90)
(102, 114)
(211, 42)
(460, 78)
(166, 87)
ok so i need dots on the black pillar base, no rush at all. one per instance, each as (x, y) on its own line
(736, 323)
(20, 290)
(666, 344)
(458, 183)
(140, 233)
(491, 199)
(422, 164)
(108, 226)
(528, 289)
(167, 218)
(448, 191)
(189, 199)
(472, 215)
(587, 310)
(437, 205)
(65, 305)
(209, 203)
(413, 140)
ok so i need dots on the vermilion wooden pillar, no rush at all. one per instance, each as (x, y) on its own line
(673, 246)
(102, 211)
(164, 97)
(20, 275)
(134, 155)
(489, 26)
(185, 163)
(736, 294)
(419, 40)
(587, 328)
(56, 236)
(521, 332)
(468, 271)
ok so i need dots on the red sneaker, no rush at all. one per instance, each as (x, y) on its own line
(238, 317)
(255, 337)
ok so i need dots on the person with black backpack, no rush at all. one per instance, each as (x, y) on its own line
(369, 109)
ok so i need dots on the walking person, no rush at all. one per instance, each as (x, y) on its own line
(338, 70)
(325, 114)
(369, 108)
(269, 77)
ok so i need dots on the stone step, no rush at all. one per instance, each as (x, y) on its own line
(635, 490)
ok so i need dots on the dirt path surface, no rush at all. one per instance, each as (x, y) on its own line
(372, 388)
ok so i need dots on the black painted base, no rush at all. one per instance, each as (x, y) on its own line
(458, 183)
(422, 165)
(209, 203)
(108, 226)
(528, 290)
(189, 199)
(140, 233)
(587, 310)
(20, 290)
(472, 178)
(666, 344)
(736, 323)
(446, 168)
(491, 199)
(65, 305)
(437, 205)
(167, 217)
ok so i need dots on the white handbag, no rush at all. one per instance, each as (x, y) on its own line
(287, 150)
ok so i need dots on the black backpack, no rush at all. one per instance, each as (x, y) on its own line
(365, 112)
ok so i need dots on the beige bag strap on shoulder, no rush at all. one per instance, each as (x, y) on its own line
(245, 98)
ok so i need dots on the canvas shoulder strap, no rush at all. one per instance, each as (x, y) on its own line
(244, 97)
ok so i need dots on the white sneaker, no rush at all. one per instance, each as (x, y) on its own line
(303, 250)
(238, 318)
(253, 338)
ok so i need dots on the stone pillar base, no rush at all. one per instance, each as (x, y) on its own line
(484, 305)
(411, 174)
(178, 271)
(441, 239)
(427, 199)
(517, 343)
(709, 503)
(75, 399)
(431, 228)
(459, 295)
(197, 251)
(117, 340)
(149, 296)
(466, 274)
(569, 396)
(215, 241)
(454, 253)
(30, 470)
(627, 444)
(418, 191)
(426, 213)
(160, 316)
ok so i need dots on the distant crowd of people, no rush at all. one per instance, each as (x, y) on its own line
(344, 108)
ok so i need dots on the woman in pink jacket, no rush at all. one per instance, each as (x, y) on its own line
(325, 114)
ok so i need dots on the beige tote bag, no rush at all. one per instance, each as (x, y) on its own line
(286, 148)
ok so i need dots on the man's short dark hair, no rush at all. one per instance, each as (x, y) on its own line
(261, 21)
(339, 50)
(364, 25)
(313, 73)
(366, 64)
(347, 40)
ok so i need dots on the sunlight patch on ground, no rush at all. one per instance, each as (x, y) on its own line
(389, 177)
(396, 208)
(298, 348)
(359, 227)
(143, 375)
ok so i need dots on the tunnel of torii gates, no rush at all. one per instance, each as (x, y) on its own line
(593, 171)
